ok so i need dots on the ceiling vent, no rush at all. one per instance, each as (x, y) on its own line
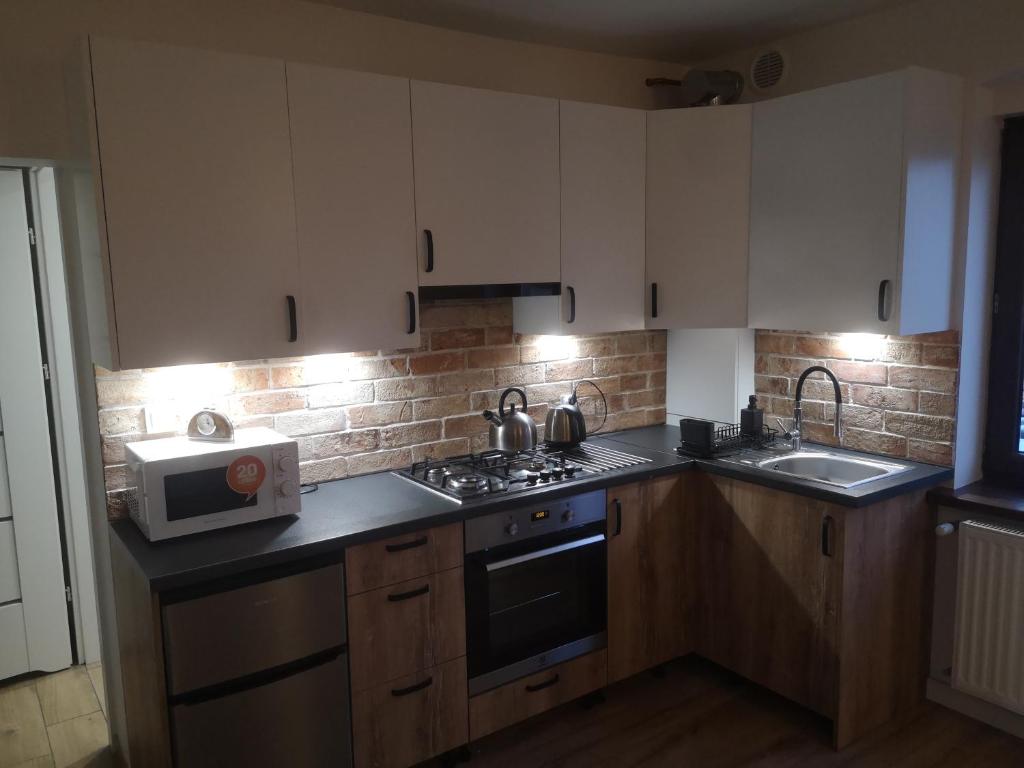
(767, 70)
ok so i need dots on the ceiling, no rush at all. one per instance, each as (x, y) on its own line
(668, 30)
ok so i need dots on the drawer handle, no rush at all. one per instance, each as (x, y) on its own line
(412, 688)
(618, 517)
(399, 596)
(406, 545)
(542, 686)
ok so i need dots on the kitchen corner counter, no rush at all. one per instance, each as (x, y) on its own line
(354, 510)
(665, 438)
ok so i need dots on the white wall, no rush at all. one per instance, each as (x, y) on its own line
(36, 36)
(982, 40)
(710, 373)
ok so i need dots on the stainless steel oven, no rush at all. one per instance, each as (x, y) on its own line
(536, 588)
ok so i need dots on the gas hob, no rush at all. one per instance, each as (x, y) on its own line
(496, 472)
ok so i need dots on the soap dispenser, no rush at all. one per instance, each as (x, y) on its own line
(751, 418)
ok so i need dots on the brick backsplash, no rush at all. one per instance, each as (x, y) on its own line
(899, 392)
(369, 411)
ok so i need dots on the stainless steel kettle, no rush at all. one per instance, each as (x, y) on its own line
(513, 431)
(565, 425)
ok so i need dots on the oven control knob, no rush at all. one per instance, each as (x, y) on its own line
(570, 470)
(288, 488)
(512, 528)
(286, 463)
(532, 478)
(556, 473)
(545, 475)
(568, 516)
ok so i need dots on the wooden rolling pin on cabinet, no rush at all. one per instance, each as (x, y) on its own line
(407, 641)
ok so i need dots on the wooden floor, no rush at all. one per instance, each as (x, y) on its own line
(54, 721)
(699, 716)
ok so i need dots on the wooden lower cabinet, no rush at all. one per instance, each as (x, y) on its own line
(412, 625)
(651, 574)
(529, 696)
(827, 605)
(412, 718)
(769, 592)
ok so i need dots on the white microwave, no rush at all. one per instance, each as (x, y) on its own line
(178, 486)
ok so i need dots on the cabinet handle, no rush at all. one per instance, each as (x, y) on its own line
(884, 309)
(572, 303)
(406, 545)
(400, 596)
(654, 299)
(412, 688)
(618, 516)
(293, 321)
(827, 542)
(542, 686)
(411, 298)
(430, 250)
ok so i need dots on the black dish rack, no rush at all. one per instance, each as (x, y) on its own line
(707, 439)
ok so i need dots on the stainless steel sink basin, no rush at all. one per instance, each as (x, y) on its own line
(831, 468)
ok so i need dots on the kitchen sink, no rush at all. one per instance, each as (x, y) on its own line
(831, 468)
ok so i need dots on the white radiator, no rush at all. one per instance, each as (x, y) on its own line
(988, 653)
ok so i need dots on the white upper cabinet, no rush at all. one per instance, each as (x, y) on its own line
(199, 212)
(698, 203)
(602, 191)
(352, 152)
(486, 186)
(853, 206)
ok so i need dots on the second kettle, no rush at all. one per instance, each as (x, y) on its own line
(565, 425)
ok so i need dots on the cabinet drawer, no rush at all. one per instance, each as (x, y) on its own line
(518, 700)
(226, 635)
(412, 718)
(380, 563)
(406, 627)
(294, 721)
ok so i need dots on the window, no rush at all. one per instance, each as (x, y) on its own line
(1004, 445)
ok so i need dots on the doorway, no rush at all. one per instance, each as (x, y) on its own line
(47, 589)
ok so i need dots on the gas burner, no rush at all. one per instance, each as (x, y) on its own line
(438, 474)
(468, 484)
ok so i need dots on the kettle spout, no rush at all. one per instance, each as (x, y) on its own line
(491, 417)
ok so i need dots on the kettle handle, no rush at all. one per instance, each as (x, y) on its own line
(506, 393)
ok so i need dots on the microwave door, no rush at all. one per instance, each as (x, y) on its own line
(192, 493)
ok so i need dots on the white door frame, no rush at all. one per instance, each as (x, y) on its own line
(26, 422)
(66, 415)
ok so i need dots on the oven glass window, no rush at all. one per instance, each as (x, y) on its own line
(202, 492)
(523, 607)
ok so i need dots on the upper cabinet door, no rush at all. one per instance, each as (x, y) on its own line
(486, 186)
(352, 152)
(698, 204)
(853, 205)
(197, 188)
(602, 189)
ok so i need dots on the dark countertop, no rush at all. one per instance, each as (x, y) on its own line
(666, 437)
(359, 509)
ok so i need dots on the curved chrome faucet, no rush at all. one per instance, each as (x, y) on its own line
(798, 415)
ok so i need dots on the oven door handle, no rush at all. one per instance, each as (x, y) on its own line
(567, 546)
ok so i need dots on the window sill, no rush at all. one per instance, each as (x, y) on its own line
(983, 498)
